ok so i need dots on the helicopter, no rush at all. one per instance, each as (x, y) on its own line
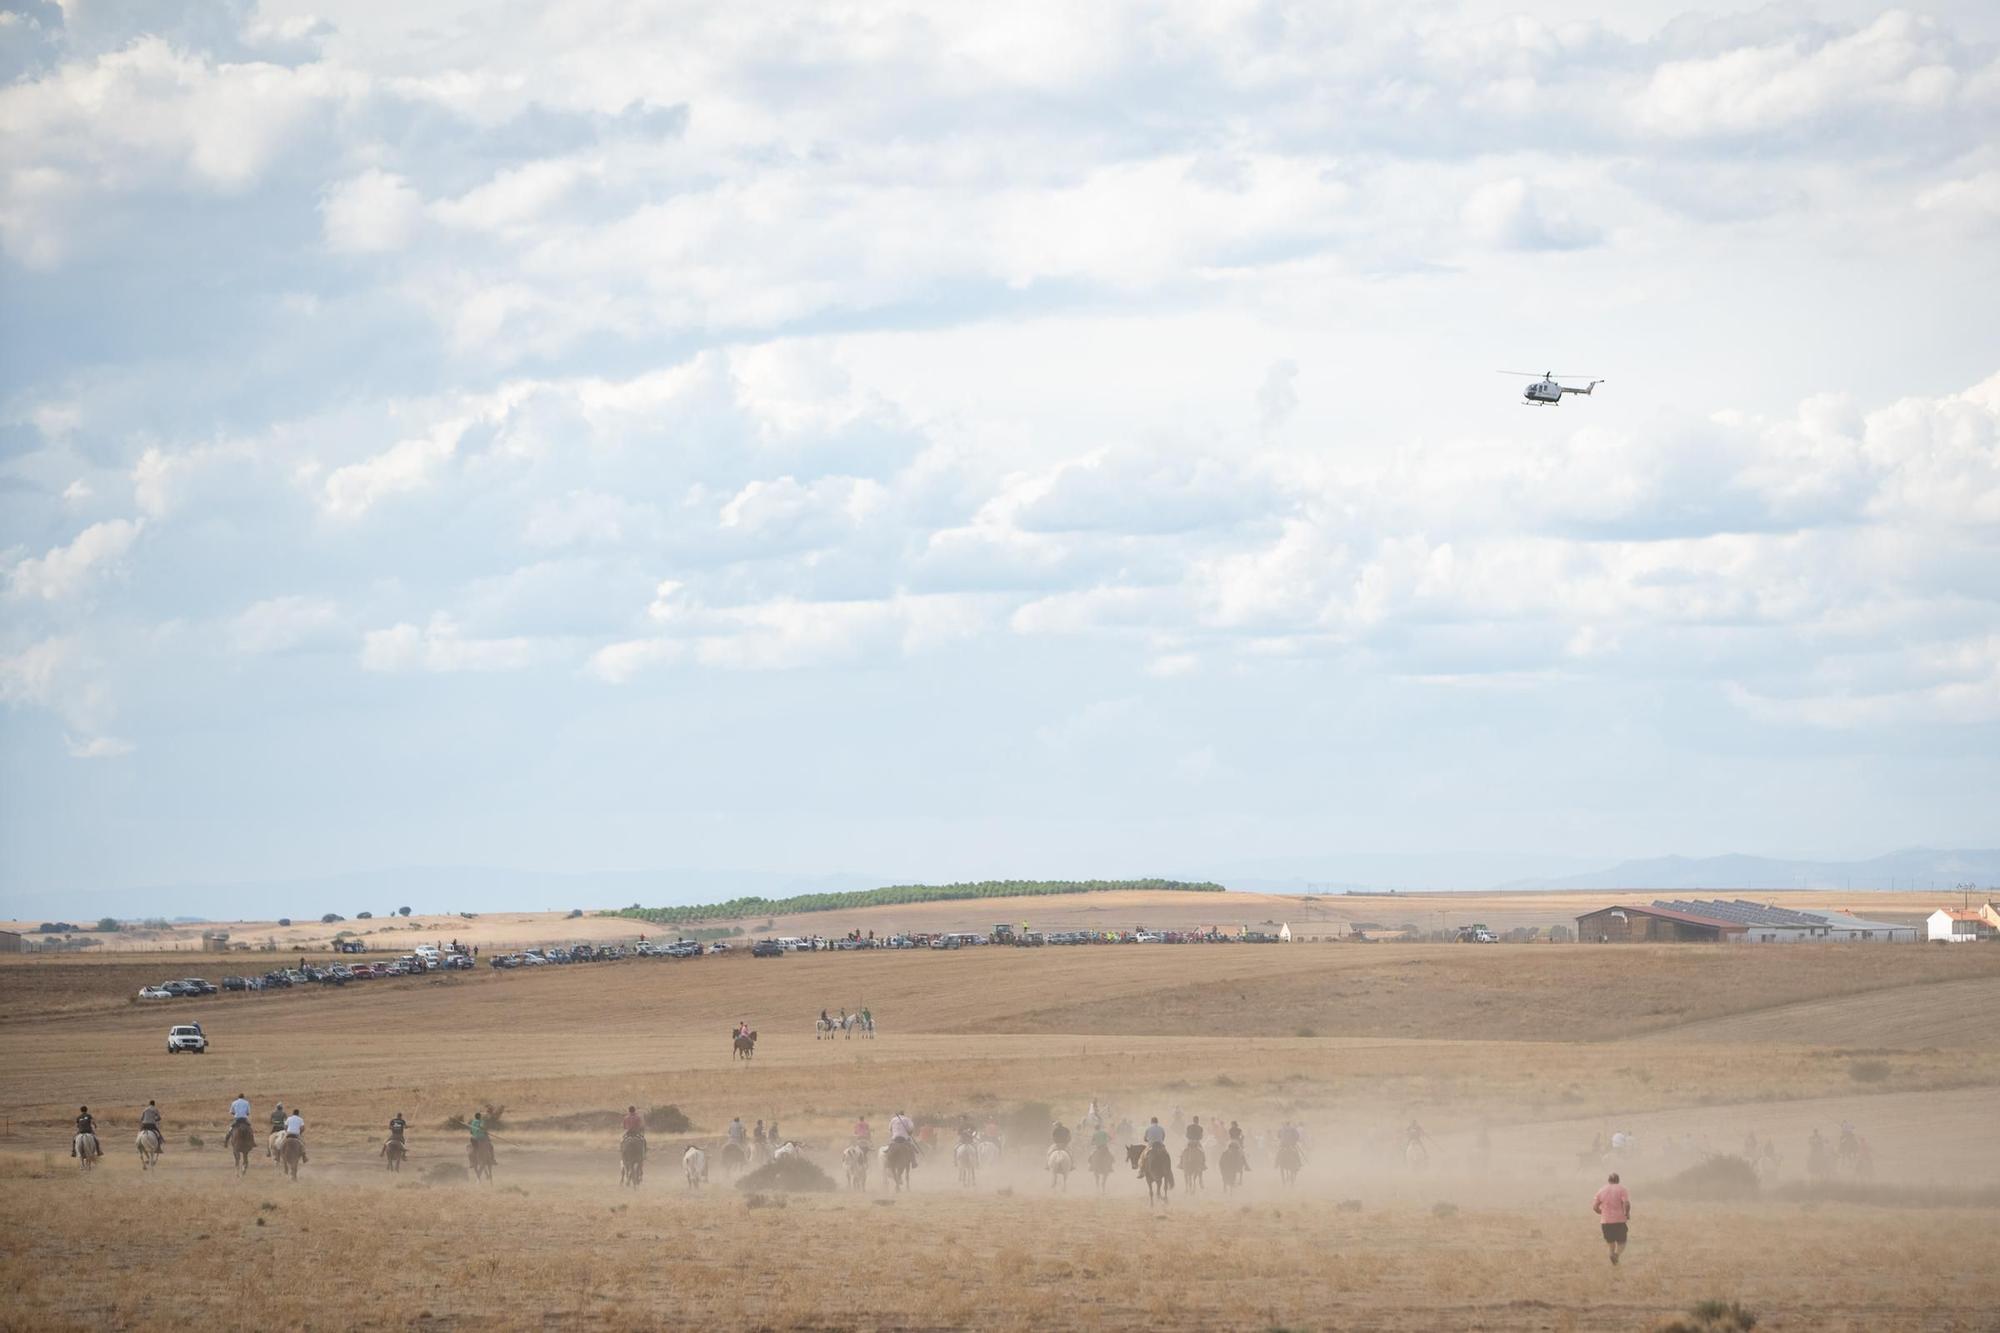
(1545, 392)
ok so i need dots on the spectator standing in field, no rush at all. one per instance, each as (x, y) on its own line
(1613, 1207)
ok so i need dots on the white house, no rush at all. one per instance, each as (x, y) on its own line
(1958, 927)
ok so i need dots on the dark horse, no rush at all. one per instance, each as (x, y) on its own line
(743, 1046)
(899, 1159)
(395, 1151)
(632, 1160)
(1235, 1165)
(479, 1156)
(1155, 1166)
(240, 1140)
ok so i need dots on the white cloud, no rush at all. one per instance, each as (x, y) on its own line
(65, 571)
(279, 624)
(441, 647)
(369, 213)
(99, 747)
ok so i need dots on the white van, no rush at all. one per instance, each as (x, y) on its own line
(427, 952)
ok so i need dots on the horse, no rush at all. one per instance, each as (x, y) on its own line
(241, 1140)
(732, 1158)
(1194, 1165)
(1155, 1166)
(824, 1028)
(1101, 1164)
(87, 1151)
(480, 1157)
(1059, 1164)
(855, 1155)
(742, 1046)
(694, 1163)
(899, 1158)
(1235, 1165)
(394, 1151)
(967, 1158)
(856, 1023)
(1415, 1155)
(1290, 1162)
(632, 1160)
(277, 1143)
(149, 1146)
(989, 1154)
(290, 1155)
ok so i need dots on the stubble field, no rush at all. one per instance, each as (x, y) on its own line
(1536, 1048)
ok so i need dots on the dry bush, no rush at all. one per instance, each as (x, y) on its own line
(1714, 1179)
(789, 1174)
(1869, 1071)
(1711, 1316)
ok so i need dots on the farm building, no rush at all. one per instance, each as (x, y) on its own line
(1660, 925)
(1782, 925)
(1956, 926)
(12, 942)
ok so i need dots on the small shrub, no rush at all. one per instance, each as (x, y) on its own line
(402, 911)
(1711, 1316)
(284, 921)
(1306, 1032)
(1224, 1081)
(445, 1173)
(1444, 1210)
(1348, 1206)
(667, 1120)
(364, 916)
(1869, 1071)
(197, 1142)
(574, 913)
(786, 1175)
(330, 918)
(1720, 1177)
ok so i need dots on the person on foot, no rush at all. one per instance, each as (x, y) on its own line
(1613, 1207)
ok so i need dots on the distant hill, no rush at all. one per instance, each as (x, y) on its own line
(1917, 868)
(898, 894)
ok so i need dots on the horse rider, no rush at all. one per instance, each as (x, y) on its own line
(735, 1131)
(476, 1127)
(634, 1124)
(965, 1131)
(843, 1018)
(757, 1136)
(902, 1127)
(1289, 1137)
(1413, 1136)
(1194, 1133)
(824, 1021)
(150, 1119)
(1100, 1138)
(743, 1027)
(1059, 1136)
(396, 1127)
(277, 1115)
(239, 1110)
(862, 1134)
(295, 1128)
(867, 1019)
(85, 1124)
(992, 1131)
(1236, 1134)
(1155, 1133)
(772, 1132)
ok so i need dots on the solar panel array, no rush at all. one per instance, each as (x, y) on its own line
(1741, 912)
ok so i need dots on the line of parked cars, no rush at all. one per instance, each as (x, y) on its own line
(603, 953)
(284, 978)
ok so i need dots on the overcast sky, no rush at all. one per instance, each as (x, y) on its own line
(967, 440)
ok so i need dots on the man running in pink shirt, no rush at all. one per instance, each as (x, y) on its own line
(1613, 1207)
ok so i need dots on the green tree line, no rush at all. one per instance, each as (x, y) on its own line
(896, 894)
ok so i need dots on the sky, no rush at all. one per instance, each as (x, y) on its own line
(965, 440)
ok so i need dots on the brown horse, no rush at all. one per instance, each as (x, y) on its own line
(479, 1156)
(290, 1155)
(632, 1160)
(241, 1142)
(1194, 1165)
(1155, 1166)
(394, 1151)
(743, 1046)
(1101, 1164)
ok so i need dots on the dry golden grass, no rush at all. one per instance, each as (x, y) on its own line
(1526, 1044)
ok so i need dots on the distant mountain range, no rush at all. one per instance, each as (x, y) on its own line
(1917, 868)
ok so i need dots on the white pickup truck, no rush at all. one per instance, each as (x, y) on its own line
(186, 1039)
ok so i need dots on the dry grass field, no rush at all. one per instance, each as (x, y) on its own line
(1533, 1050)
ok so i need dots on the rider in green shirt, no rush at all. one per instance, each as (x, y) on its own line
(476, 1127)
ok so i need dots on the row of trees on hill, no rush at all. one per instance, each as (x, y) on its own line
(897, 894)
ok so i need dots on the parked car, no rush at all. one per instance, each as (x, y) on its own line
(720, 946)
(155, 993)
(186, 1039)
(458, 961)
(198, 986)
(180, 990)
(277, 981)
(236, 983)
(767, 949)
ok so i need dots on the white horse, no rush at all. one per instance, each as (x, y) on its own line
(695, 1163)
(1059, 1169)
(989, 1154)
(824, 1028)
(277, 1143)
(149, 1148)
(787, 1149)
(855, 1155)
(87, 1151)
(966, 1156)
